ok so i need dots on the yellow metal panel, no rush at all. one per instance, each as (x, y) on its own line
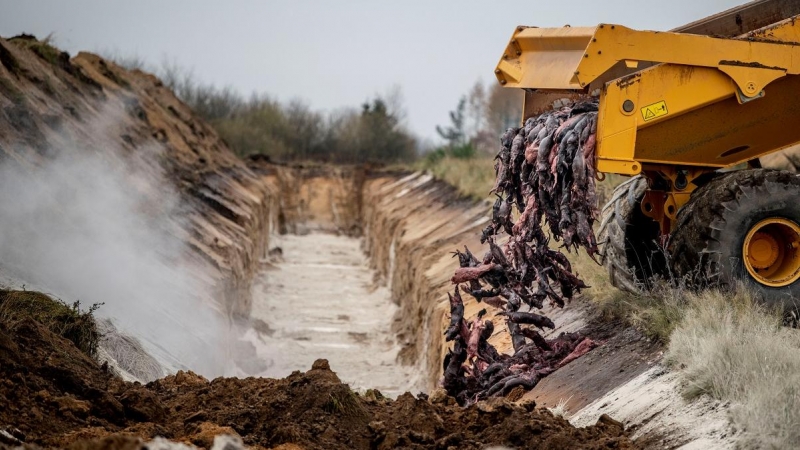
(705, 125)
(726, 133)
(681, 89)
(544, 58)
(571, 58)
(613, 43)
(783, 31)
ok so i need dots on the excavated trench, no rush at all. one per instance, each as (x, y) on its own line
(362, 279)
(192, 225)
(381, 327)
(358, 274)
(320, 299)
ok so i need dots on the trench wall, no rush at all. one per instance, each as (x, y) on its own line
(412, 226)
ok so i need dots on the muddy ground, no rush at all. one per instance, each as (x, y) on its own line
(56, 396)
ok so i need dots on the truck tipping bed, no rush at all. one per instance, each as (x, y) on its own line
(668, 98)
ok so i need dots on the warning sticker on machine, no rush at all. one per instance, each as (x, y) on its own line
(655, 110)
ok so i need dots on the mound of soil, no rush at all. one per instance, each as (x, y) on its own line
(53, 395)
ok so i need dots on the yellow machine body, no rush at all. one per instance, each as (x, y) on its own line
(672, 105)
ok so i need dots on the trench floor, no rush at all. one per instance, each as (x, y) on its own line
(322, 301)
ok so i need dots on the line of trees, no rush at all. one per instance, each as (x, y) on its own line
(375, 132)
(292, 131)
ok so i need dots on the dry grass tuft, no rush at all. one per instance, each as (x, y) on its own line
(473, 177)
(344, 402)
(734, 349)
(67, 321)
(42, 48)
(560, 410)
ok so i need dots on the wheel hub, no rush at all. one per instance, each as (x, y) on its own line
(771, 252)
(763, 250)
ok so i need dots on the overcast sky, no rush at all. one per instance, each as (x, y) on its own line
(331, 53)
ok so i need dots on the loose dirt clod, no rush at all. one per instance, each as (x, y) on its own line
(545, 169)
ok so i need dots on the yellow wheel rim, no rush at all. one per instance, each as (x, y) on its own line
(772, 252)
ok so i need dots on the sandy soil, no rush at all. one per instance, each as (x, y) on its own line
(321, 301)
(652, 407)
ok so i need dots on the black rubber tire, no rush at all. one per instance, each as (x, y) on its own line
(629, 249)
(706, 247)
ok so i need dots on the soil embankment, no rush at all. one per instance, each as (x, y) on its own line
(52, 104)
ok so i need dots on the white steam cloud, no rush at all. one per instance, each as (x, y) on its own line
(103, 228)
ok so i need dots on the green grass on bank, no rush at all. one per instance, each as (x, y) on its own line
(473, 177)
(67, 321)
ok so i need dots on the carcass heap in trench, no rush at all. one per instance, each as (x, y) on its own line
(546, 170)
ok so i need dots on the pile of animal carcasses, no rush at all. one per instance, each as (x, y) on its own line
(546, 169)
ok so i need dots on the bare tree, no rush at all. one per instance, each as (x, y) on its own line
(504, 108)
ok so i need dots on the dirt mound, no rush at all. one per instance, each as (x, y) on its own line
(53, 395)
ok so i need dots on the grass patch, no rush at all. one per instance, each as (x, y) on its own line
(734, 349)
(67, 321)
(725, 344)
(473, 177)
(343, 402)
(42, 48)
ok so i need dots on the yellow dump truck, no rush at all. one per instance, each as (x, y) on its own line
(687, 114)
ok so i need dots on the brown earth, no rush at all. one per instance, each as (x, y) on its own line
(56, 396)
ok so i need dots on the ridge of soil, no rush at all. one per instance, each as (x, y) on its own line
(55, 396)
